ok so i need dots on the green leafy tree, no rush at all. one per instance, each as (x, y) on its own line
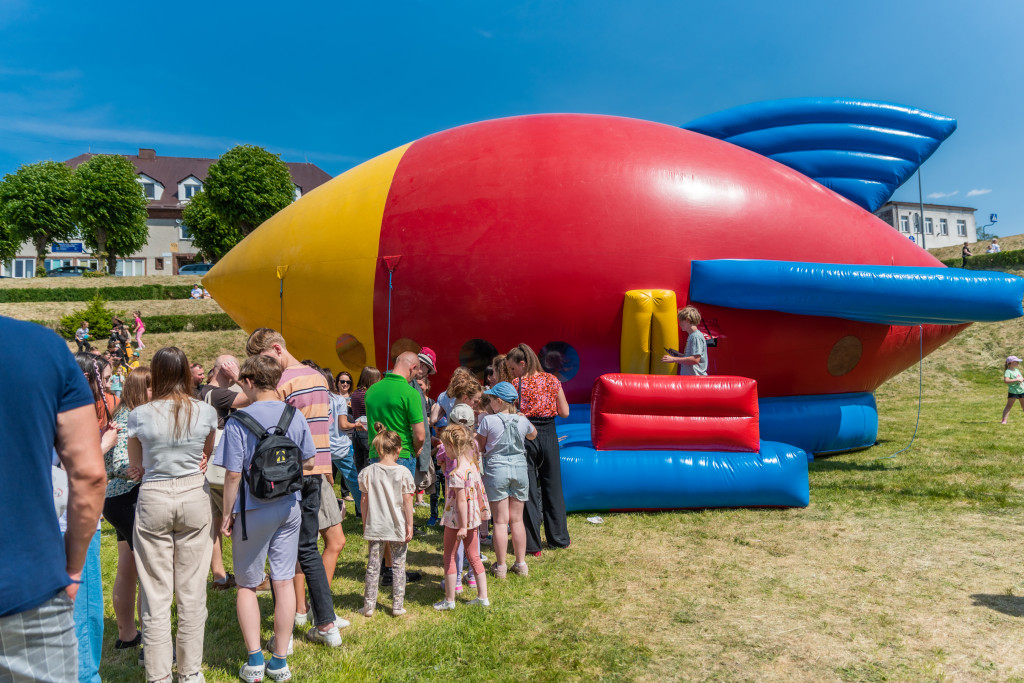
(110, 208)
(99, 317)
(36, 204)
(248, 185)
(212, 236)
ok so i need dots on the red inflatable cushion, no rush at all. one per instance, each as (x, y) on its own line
(650, 412)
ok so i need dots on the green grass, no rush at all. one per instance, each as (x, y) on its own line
(902, 568)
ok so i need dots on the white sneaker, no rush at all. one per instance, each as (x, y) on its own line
(251, 674)
(331, 638)
(444, 605)
(397, 612)
(367, 612)
(282, 674)
(341, 623)
(301, 618)
(291, 645)
(483, 602)
(193, 678)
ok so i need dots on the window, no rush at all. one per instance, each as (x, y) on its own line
(150, 187)
(150, 190)
(191, 190)
(185, 232)
(476, 355)
(158, 263)
(904, 224)
(961, 228)
(943, 226)
(560, 359)
(298, 191)
(131, 267)
(928, 225)
(90, 263)
(52, 263)
(20, 268)
(917, 224)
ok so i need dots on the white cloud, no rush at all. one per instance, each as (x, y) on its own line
(943, 195)
(976, 193)
(61, 131)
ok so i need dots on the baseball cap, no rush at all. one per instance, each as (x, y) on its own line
(463, 415)
(503, 390)
(1012, 359)
(427, 356)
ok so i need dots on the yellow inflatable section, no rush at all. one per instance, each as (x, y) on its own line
(314, 262)
(649, 326)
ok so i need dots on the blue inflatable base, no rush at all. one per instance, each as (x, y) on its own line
(658, 480)
(821, 424)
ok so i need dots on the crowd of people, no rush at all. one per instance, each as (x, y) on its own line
(177, 459)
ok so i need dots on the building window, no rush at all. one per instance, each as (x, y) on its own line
(158, 263)
(191, 190)
(20, 268)
(184, 231)
(928, 225)
(961, 228)
(131, 267)
(52, 263)
(904, 224)
(90, 263)
(943, 226)
(298, 192)
(150, 190)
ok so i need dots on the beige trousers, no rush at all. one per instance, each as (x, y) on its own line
(172, 552)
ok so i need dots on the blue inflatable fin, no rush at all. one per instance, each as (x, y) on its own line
(860, 149)
(887, 295)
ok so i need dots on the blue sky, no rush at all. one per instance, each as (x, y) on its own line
(343, 83)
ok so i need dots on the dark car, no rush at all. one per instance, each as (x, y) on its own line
(195, 269)
(67, 271)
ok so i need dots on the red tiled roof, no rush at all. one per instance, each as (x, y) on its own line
(169, 171)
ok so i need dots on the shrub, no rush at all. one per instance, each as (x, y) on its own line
(125, 293)
(203, 322)
(1004, 259)
(98, 316)
(95, 273)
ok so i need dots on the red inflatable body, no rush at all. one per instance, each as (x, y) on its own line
(648, 412)
(532, 229)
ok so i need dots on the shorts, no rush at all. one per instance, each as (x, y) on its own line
(502, 481)
(273, 532)
(330, 513)
(1013, 395)
(120, 512)
(217, 500)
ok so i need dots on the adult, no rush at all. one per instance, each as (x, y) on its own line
(341, 440)
(965, 254)
(41, 573)
(170, 440)
(89, 604)
(220, 394)
(119, 509)
(197, 291)
(541, 399)
(357, 417)
(994, 248)
(421, 383)
(82, 337)
(198, 374)
(305, 389)
(394, 403)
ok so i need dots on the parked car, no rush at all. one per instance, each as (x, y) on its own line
(195, 269)
(67, 271)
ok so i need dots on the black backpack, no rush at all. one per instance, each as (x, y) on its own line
(276, 467)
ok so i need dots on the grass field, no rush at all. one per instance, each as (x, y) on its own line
(93, 282)
(901, 568)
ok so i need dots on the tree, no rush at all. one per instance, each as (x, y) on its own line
(212, 236)
(248, 185)
(36, 204)
(110, 208)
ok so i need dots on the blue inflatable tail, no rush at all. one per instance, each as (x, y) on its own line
(860, 149)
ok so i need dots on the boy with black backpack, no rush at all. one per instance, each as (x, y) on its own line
(263, 450)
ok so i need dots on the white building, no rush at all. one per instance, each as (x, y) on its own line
(943, 226)
(169, 183)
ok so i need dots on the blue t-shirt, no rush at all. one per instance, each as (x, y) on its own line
(237, 445)
(33, 567)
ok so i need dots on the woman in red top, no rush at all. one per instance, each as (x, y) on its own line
(541, 399)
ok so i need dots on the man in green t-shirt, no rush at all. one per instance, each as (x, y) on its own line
(396, 405)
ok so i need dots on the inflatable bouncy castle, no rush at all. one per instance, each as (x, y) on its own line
(581, 235)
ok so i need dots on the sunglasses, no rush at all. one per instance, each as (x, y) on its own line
(345, 381)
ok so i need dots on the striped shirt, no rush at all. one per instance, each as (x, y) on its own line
(306, 390)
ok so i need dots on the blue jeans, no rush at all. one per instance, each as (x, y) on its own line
(346, 464)
(89, 616)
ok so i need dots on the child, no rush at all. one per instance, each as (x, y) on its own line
(1015, 381)
(387, 490)
(272, 527)
(140, 327)
(694, 359)
(501, 436)
(465, 508)
(447, 461)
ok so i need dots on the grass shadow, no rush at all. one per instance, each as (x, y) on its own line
(1011, 605)
(828, 465)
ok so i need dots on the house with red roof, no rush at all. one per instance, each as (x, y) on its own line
(169, 183)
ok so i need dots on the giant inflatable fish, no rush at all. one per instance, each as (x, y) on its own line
(580, 235)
